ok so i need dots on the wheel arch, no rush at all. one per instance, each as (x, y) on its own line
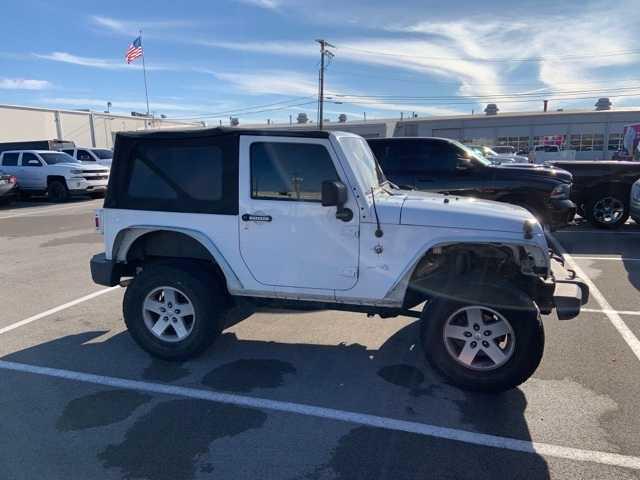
(401, 291)
(171, 242)
(59, 178)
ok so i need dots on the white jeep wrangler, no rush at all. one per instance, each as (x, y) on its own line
(194, 219)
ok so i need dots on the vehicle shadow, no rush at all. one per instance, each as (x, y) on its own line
(391, 381)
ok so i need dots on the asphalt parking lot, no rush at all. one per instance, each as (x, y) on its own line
(289, 395)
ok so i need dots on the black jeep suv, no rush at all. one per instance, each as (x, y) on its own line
(447, 166)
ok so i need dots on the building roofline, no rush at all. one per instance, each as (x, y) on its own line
(85, 112)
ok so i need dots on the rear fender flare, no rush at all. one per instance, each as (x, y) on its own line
(126, 238)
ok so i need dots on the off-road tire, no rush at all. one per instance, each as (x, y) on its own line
(57, 191)
(527, 354)
(203, 288)
(591, 203)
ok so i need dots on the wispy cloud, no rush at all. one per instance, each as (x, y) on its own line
(102, 63)
(24, 84)
(271, 82)
(268, 4)
(132, 27)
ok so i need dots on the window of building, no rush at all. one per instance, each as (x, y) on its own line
(289, 171)
(615, 142)
(587, 142)
(521, 144)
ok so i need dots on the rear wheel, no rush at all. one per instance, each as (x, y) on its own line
(608, 210)
(482, 348)
(57, 191)
(174, 311)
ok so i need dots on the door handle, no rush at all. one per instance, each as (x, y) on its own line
(256, 218)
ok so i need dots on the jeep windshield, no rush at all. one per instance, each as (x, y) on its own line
(364, 164)
(54, 158)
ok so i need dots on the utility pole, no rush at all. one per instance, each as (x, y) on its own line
(323, 52)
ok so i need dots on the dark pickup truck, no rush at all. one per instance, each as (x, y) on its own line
(447, 166)
(602, 189)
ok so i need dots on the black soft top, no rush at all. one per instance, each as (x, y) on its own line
(174, 134)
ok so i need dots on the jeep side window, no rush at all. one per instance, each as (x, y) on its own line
(173, 171)
(289, 171)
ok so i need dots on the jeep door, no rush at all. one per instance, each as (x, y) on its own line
(287, 238)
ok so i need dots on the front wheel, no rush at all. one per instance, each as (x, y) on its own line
(57, 191)
(608, 210)
(174, 311)
(482, 348)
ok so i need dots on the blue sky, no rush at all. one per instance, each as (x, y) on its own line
(208, 59)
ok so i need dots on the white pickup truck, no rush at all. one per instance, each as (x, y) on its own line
(546, 153)
(54, 173)
(193, 220)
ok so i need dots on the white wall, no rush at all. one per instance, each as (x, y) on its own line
(27, 123)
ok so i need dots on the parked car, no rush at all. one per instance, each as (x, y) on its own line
(504, 149)
(546, 153)
(447, 166)
(601, 189)
(496, 157)
(194, 220)
(54, 173)
(100, 156)
(8, 188)
(634, 203)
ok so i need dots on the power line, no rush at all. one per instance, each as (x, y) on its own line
(214, 115)
(492, 60)
(242, 110)
(488, 96)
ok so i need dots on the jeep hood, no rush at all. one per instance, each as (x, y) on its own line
(448, 211)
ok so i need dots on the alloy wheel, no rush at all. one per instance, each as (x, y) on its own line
(479, 338)
(168, 314)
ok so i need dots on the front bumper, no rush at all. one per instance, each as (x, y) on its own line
(562, 212)
(104, 271)
(570, 292)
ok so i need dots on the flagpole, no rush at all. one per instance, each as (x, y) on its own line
(144, 70)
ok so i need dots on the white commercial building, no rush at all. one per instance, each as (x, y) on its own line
(85, 128)
(595, 135)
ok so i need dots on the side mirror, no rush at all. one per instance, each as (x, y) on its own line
(334, 193)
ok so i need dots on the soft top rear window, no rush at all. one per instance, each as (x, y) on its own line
(197, 175)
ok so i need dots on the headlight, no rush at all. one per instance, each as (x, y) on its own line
(561, 192)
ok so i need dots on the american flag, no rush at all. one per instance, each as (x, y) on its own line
(134, 51)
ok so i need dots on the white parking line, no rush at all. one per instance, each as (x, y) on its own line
(57, 309)
(45, 210)
(619, 312)
(612, 315)
(463, 436)
(616, 258)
